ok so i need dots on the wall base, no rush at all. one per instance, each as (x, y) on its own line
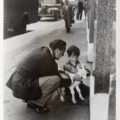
(90, 52)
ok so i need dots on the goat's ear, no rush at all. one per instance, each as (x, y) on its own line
(88, 74)
(84, 67)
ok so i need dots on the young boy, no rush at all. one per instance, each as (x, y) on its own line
(73, 65)
(77, 72)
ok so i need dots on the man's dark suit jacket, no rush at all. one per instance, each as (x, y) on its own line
(24, 82)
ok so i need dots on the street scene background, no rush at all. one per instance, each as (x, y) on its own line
(40, 33)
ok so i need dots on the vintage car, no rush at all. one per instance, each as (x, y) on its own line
(50, 8)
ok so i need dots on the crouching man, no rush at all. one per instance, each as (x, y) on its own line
(36, 77)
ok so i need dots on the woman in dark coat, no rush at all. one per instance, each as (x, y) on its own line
(36, 76)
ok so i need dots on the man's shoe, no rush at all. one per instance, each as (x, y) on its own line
(37, 108)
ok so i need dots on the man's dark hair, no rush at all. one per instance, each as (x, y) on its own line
(73, 50)
(60, 44)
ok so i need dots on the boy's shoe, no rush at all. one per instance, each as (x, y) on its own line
(37, 108)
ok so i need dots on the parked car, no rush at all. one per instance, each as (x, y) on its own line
(50, 8)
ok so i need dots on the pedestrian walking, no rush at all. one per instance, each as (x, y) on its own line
(80, 10)
(36, 77)
(85, 8)
(66, 15)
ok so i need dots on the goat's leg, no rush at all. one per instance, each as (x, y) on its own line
(79, 92)
(59, 90)
(73, 94)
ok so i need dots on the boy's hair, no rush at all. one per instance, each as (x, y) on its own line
(60, 44)
(73, 50)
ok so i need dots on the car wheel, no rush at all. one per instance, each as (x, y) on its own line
(55, 17)
(39, 17)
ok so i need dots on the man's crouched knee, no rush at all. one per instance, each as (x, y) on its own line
(49, 80)
(55, 80)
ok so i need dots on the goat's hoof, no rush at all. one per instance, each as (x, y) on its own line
(74, 102)
(83, 99)
(62, 99)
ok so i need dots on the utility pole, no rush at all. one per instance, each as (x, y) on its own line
(103, 45)
(101, 34)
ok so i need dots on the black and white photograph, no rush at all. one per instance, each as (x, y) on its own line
(59, 60)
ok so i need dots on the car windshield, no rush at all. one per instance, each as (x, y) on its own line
(49, 1)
